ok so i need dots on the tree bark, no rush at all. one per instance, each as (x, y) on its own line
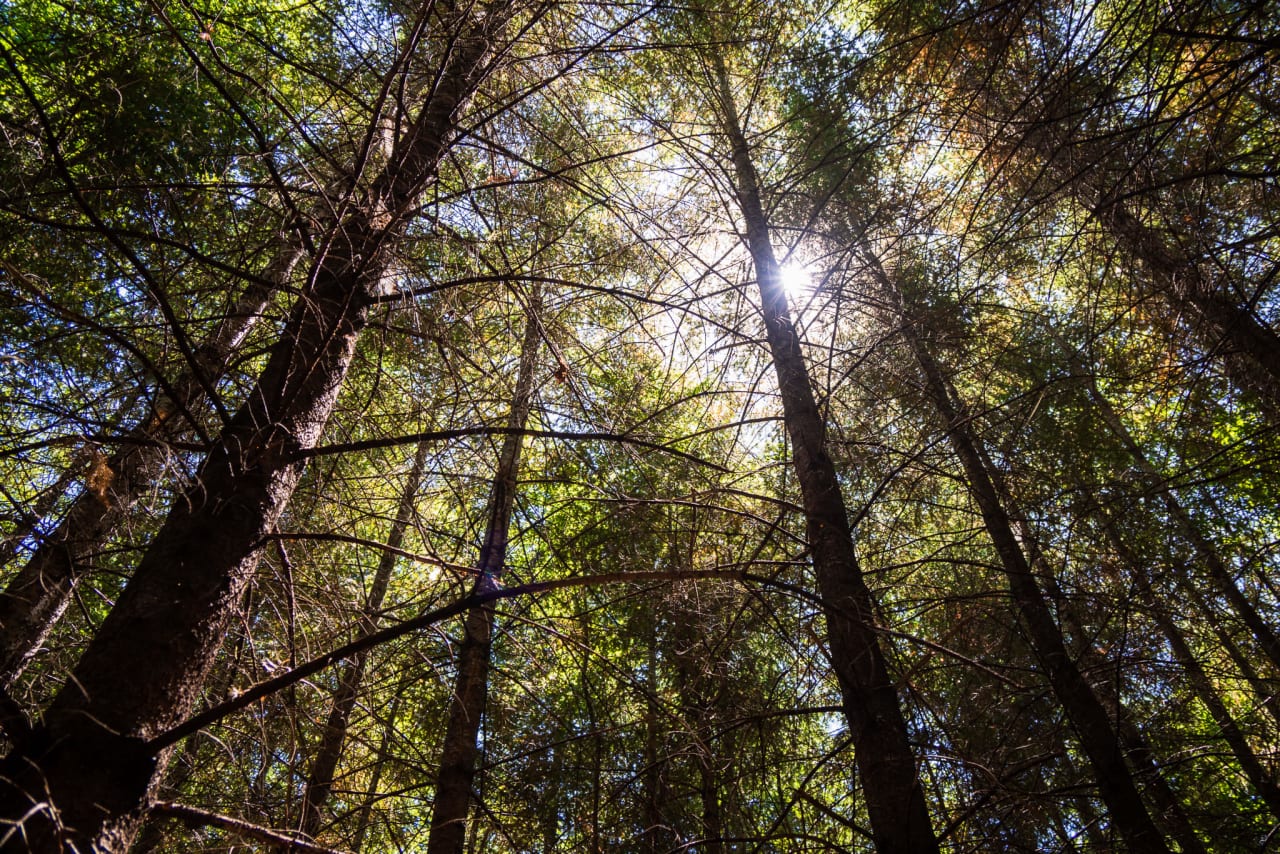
(38, 595)
(895, 799)
(334, 735)
(83, 778)
(1093, 727)
(471, 685)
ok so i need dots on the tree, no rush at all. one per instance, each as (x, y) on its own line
(186, 587)
(581, 427)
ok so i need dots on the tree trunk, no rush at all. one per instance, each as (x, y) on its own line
(1203, 548)
(1171, 816)
(1248, 349)
(366, 810)
(1228, 329)
(83, 778)
(1221, 575)
(334, 735)
(1262, 781)
(895, 799)
(39, 593)
(656, 834)
(1093, 727)
(471, 686)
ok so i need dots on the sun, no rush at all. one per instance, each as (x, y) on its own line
(796, 279)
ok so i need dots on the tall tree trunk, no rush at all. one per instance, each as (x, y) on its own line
(334, 734)
(39, 593)
(371, 796)
(1171, 816)
(82, 778)
(471, 685)
(1201, 684)
(1219, 573)
(895, 798)
(1203, 548)
(1093, 727)
(1227, 327)
(656, 834)
(1248, 349)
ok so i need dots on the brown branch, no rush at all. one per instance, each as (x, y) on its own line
(461, 432)
(196, 817)
(309, 668)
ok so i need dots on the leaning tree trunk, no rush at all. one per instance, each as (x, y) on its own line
(1203, 547)
(1093, 727)
(39, 593)
(471, 685)
(1226, 326)
(1202, 686)
(1248, 349)
(1219, 573)
(895, 799)
(82, 778)
(1171, 816)
(334, 734)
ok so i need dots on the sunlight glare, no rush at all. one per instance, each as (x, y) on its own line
(796, 279)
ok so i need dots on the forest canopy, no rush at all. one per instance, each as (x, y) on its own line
(550, 426)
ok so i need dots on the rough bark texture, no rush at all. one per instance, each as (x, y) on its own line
(1093, 727)
(83, 778)
(39, 593)
(471, 685)
(895, 799)
(334, 735)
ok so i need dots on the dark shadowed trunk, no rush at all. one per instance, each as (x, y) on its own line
(471, 686)
(39, 593)
(1226, 326)
(886, 766)
(1228, 329)
(1093, 727)
(1170, 815)
(334, 734)
(83, 777)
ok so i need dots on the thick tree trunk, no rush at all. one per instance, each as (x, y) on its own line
(895, 799)
(1093, 727)
(83, 778)
(471, 685)
(38, 594)
(334, 735)
(1248, 349)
